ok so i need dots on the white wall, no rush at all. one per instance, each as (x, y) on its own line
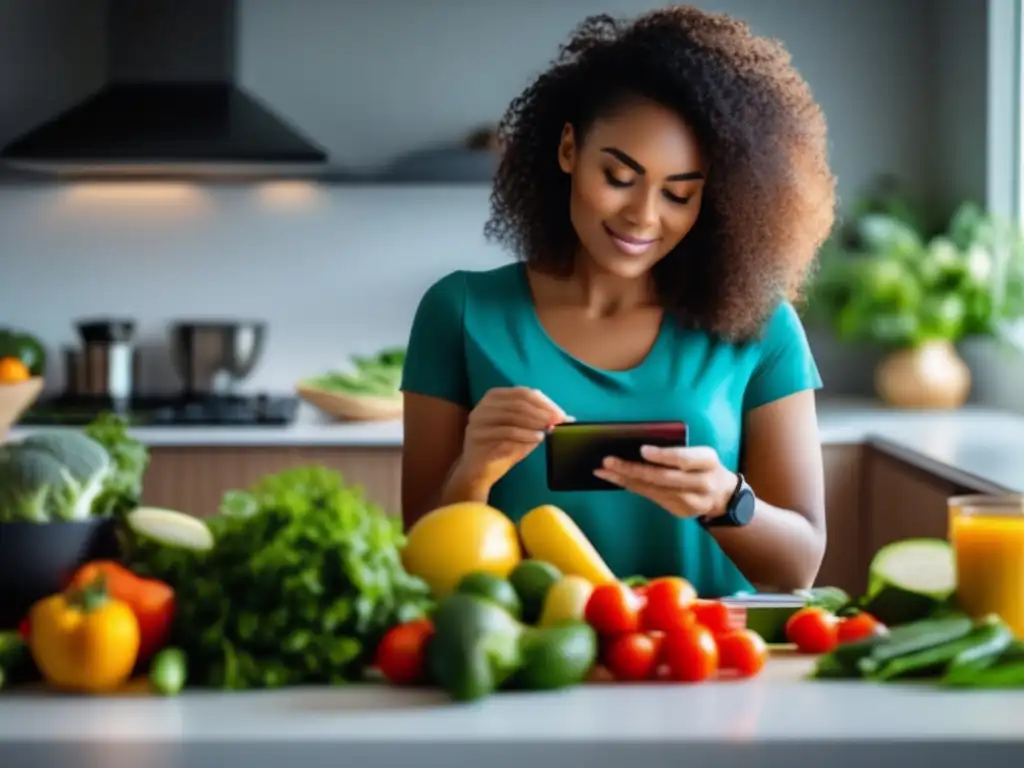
(339, 269)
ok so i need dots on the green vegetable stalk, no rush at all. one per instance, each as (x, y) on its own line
(304, 578)
(122, 489)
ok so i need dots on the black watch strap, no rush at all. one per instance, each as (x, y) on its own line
(740, 509)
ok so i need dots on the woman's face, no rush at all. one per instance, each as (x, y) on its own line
(636, 186)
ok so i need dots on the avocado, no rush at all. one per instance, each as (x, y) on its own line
(493, 588)
(556, 657)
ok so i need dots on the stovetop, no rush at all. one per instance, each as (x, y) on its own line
(255, 410)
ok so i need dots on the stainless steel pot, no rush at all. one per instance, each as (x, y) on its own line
(211, 357)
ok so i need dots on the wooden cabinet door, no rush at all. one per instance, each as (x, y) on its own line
(193, 479)
(841, 566)
(904, 501)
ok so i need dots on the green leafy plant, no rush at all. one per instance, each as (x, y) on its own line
(886, 277)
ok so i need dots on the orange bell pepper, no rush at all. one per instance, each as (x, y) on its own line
(151, 601)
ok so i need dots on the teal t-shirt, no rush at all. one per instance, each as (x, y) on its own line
(475, 330)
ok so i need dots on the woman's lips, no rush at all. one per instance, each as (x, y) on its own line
(634, 246)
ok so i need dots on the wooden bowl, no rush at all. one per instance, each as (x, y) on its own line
(352, 407)
(15, 399)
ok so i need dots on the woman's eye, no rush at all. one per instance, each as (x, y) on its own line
(615, 182)
(676, 198)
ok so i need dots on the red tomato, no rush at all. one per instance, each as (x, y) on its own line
(690, 655)
(860, 626)
(813, 630)
(742, 651)
(613, 609)
(669, 600)
(717, 616)
(401, 654)
(632, 656)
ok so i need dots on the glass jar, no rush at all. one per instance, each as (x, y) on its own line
(987, 536)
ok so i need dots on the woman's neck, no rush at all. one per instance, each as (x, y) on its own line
(597, 292)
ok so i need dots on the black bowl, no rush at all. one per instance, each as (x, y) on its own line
(37, 559)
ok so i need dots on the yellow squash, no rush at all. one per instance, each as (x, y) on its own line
(452, 541)
(84, 640)
(549, 534)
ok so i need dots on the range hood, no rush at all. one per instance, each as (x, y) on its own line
(171, 105)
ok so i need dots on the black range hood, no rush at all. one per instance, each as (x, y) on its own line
(171, 105)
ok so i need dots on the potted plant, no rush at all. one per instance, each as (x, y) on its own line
(885, 277)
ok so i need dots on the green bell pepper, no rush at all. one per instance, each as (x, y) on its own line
(25, 347)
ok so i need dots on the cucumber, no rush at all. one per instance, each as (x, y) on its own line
(910, 580)
(988, 637)
(171, 529)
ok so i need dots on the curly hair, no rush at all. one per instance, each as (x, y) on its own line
(768, 203)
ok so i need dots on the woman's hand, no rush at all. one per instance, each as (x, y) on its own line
(688, 482)
(503, 429)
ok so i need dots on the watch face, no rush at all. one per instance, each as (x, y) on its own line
(743, 511)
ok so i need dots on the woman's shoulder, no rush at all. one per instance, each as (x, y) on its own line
(455, 287)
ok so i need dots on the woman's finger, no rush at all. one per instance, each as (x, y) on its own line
(697, 458)
(509, 434)
(661, 476)
(517, 414)
(539, 400)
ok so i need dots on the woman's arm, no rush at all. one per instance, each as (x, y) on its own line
(784, 544)
(432, 444)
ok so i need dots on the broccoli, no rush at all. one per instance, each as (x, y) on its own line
(55, 475)
(35, 487)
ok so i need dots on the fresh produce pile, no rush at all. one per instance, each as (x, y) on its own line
(302, 580)
(553, 619)
(378, 375)
(68, 474)
(908, 627)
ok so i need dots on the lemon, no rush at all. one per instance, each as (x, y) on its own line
(452, 541)
(566, 601)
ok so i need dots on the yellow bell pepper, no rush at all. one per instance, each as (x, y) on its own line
(83, 639)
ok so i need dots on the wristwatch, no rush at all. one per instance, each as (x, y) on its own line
(740, 509)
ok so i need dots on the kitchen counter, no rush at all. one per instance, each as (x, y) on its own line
(977, 446)
(782, 715)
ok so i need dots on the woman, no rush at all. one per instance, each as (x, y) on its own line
(666, 186)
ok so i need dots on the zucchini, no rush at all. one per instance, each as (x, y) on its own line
(1005, 670)
(990, 637)
(910, 580)
(866, 657)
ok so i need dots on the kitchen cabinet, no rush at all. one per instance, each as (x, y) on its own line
(193, 479)
(842, 564)
(873, 496)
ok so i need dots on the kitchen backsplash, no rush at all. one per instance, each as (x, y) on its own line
(331, 270)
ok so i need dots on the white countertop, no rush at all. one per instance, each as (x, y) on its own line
(779, 706)
(980, 443)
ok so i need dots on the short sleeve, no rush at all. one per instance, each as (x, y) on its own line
(786, 364)
(435, 359)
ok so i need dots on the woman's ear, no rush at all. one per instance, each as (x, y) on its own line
(567, 149)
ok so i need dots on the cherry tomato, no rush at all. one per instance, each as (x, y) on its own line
(613, 609)
(690, 655)
(632, 656)
(717, 616)
(813, 630)
(669, 600)
(24, 630)
(742, 651)
(860, 626)
(401, 654)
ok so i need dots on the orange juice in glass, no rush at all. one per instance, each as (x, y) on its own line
(987, 535)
